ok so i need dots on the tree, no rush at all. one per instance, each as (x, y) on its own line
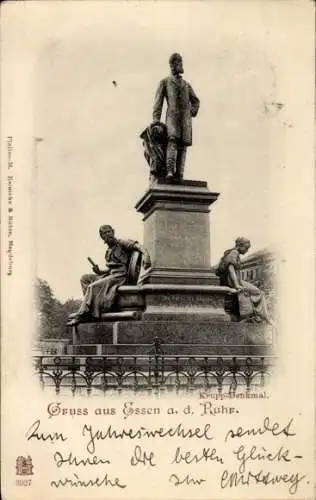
(52, 314)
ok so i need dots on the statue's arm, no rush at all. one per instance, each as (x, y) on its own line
(233, 276)
(103, 272)
(195, 102)
(158, 102)
(100, 272)
(134, 245)
(96, 269)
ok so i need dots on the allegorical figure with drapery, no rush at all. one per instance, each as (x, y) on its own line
(251, 300)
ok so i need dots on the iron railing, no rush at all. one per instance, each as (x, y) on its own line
(155, 370)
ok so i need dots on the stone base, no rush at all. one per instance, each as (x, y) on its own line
(178, 276)
(178, 338)
(169, 350)
(177, 232)
(94, 333)
(171, 301)
(214, 338)
(184, 303)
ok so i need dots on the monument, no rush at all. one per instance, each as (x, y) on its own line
(176, 134)
(176, 297)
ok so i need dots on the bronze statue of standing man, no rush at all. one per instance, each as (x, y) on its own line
(182, 105)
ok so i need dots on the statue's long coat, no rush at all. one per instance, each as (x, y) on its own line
(182, 104)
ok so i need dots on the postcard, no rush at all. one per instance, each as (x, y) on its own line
(158, 291)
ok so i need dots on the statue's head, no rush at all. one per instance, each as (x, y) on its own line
(107, 233)
(176, 64)
(242, 245)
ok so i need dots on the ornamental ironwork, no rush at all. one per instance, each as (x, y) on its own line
(155, 370)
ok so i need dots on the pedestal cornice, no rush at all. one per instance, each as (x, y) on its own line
(189, 196)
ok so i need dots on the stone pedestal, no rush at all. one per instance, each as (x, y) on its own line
(209, 338)
(178, 300)
(177, 233)
(198, 337)
(184, 302)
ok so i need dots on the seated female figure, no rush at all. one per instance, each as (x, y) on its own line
(252, 302)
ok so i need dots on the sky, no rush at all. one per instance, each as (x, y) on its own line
(91, 168)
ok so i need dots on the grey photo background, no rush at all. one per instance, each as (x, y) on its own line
(90, 165)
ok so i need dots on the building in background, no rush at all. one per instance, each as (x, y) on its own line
(260, 268)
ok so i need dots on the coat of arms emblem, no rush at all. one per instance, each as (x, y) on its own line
(24, 466)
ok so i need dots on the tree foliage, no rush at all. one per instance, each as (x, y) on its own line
(52, 314)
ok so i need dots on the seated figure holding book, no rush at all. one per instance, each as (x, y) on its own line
(100, 288)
